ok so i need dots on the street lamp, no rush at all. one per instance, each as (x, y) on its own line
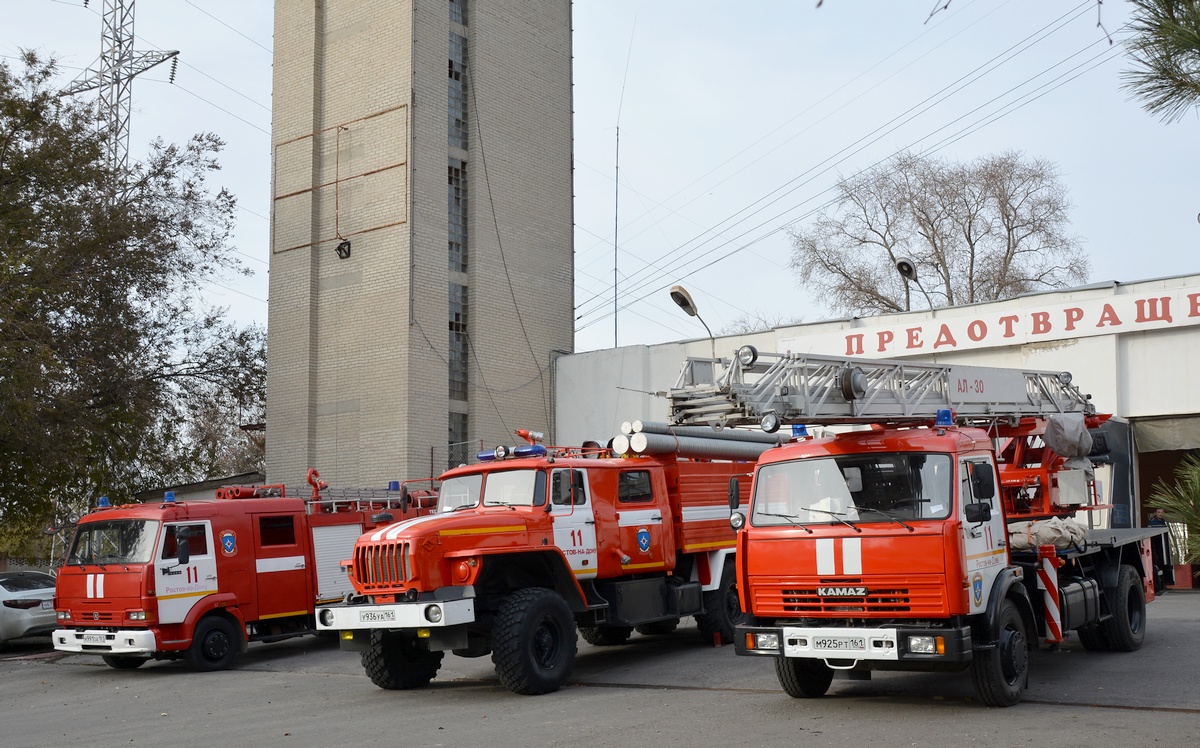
(908, 270)
(681, 297)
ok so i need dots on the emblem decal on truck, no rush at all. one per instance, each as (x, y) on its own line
(842, 591)
(977, 588)
(643, 540)
(229, 542)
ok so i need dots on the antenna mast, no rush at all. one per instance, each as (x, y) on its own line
(113, 74)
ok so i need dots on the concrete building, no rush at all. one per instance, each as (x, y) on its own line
(421, 232)
(1134, 347)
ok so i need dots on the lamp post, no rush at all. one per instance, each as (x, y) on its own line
(682, 298)
(908, 270)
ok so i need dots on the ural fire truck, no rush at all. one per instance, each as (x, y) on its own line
(533, 541)
(200, 579)
(905, 544)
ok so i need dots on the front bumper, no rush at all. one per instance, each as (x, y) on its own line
(408, 615)
(844, 648)
(136, 642)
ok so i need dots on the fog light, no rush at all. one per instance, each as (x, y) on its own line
(326, 617)
(766, 641)
(347, 636)
(737, 520)
(433, 613)
(922, 645)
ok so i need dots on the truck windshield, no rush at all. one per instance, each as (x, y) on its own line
(459, 493)
(893, 487)
(117, 541)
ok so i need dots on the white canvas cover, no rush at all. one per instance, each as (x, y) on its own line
(1067, 435)
(1056, 531)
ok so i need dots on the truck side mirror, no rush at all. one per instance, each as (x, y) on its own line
(404, 500)
(735, 494)
(978, 512)
(184, 554)
(983, 482)
(577, 486)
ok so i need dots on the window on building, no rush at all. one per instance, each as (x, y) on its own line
(458, 11)
(458, 91)
(458, 342)
(456, 222)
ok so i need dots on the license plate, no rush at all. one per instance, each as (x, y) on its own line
(840, 643)
(47, 605)
(93, 638)
(376, 616)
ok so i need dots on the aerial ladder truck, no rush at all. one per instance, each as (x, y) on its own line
(935, 533)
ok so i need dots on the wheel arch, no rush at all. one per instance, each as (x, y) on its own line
(505, 572)
(1008, 587)
(224, 606)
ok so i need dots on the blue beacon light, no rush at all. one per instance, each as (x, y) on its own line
(945, 418)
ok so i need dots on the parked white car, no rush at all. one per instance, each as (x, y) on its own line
(26, 604)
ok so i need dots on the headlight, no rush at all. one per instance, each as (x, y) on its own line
(433, 613)
(64, 615)
(926, 645)
(137, 615)
(326, 616)
(766, 641)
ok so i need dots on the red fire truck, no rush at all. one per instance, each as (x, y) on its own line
(200, 579)
(931, 537)
(532, 542)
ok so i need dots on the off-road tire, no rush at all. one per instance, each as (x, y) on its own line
(605, 636)
(397, 662)
(1126, 630)
(658, 628)
(1001, 673)
(534, 641)
(215, 644)
(123, 662)
(722, 610)
(803, 678)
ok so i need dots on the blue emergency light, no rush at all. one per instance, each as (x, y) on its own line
(169, 497)
(945, 417)
(102, 503)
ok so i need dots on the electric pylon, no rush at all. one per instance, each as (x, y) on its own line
(113, 74)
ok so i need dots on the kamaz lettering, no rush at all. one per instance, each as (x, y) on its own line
(842, 591)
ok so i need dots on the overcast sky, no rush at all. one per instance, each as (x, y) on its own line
(735, 121)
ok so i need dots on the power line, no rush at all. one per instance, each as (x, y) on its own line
(829, 162)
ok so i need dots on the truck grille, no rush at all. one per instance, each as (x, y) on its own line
(381, 565)
(783, 599)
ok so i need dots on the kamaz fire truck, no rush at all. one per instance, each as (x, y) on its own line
(199, 579)
(534, 541)
(930, 536)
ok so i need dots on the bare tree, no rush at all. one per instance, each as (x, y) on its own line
(757, 321)
(987, 230)
(1166, 53)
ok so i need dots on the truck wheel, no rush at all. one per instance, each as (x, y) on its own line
(1092, 638)
(722, 611)
(123, 662)
(1126, 630)
(398, 662)
(803, 678)
(214, 644)
(1002, 672)
(605, 636)
(533, 641)
(658, 628)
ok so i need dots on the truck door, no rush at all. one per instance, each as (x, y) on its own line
(284, 588)
(985, 543)
(574, 521)
(642, 534)
(177, 586)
